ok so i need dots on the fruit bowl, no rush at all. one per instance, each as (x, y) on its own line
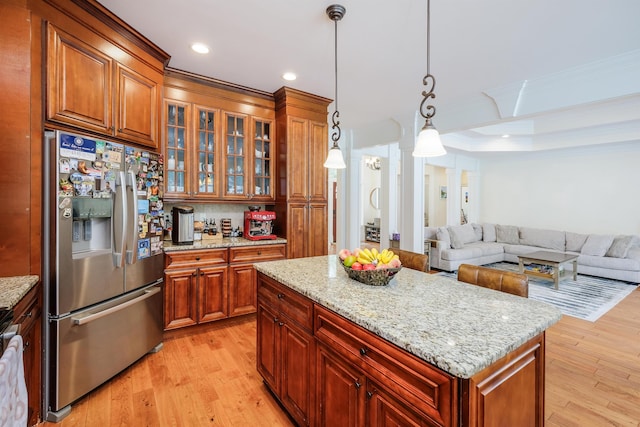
(380, 277)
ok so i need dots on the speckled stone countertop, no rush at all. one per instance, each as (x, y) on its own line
(12, 289)
(226, 242)
(455, 326)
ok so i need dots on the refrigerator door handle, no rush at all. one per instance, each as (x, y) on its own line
(119, 220)
(90, 317)
(132, 205)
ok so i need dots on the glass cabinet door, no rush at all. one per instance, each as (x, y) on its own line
(235, 173)
(176, 121)
(207, 147)
(262, 144)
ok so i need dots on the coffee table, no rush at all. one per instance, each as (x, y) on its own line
(550, 259)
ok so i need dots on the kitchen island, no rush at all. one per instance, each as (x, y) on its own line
(423, 350)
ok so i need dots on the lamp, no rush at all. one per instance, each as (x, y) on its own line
(428, 143)
(334, 159)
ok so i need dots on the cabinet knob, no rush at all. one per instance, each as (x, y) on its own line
(119, 129)
(358, 385)
(280, 296)
(276, 320)
(193, 274)
(197, 258)
(259, 252)
(26, 344)
(363, 351)
(280, 323)
(369, 395)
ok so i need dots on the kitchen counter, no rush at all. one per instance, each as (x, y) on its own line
(12, 289)
(457, 327)
(226, 242)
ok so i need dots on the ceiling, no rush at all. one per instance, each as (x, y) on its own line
(552, 74)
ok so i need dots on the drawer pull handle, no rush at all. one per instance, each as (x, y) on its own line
(29, 314)
(363, 351)
(280, 296)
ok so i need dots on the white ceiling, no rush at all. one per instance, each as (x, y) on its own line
(552, 73)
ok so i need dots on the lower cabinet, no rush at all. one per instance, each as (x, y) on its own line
(27, 314)
(212, 284)
(286, 348)
(328, 371)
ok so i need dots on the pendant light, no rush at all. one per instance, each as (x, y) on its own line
(334, 159)
(428, 143)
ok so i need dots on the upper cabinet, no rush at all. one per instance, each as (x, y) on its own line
(217, 140)
(247, 162)
(89, 89)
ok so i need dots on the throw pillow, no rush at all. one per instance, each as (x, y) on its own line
(507, 234)
(575, 241)
(489, 232)
(443, 234)
(477, 229)
(548, 239)
(597, 244)
(620, 247)
(461, 234)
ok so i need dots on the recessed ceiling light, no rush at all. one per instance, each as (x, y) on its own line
(506, 135)
(200, 48)
(289, 76)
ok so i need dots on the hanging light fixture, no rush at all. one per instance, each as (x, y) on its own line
(428, 143)
(334, 159)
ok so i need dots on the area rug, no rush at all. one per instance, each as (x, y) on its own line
(587, 298)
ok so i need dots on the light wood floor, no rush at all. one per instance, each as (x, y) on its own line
(206, 376)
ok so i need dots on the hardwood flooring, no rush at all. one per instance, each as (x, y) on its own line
(206, 376)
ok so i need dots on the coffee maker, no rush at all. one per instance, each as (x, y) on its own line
(258, 225)
(182, 225)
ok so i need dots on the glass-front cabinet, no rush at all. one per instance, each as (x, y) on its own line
(206, 153)
(177, 121)
(262, 163)
(248, 168)
(216, 155)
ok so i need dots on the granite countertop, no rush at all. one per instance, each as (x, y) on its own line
(12, 289)
(455, 326)
(226, 242)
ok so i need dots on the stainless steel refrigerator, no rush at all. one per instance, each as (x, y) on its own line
(103, 263)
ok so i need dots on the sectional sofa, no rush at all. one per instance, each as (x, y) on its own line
(614, 257)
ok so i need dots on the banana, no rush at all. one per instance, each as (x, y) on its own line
(367, 254)
(363, 260)
(374, 252)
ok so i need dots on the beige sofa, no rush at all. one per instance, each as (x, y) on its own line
(614, 257)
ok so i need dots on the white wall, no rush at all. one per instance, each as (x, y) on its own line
(587, 190)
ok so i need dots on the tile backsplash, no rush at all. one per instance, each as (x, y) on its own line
(217, 212)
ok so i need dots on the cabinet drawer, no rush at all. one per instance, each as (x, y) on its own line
(287, 301)
(181, 259)
(27, 311)
(256, 253)
(423, 386)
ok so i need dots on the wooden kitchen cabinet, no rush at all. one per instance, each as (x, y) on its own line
(195, 287)
(301, 198)
(212, 284)
(242, 275)
(90, 90)
(286, 348)
(217, 141)
(27, 314)
(389, 384)
(247, 161)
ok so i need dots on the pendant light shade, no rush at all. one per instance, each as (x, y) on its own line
(428, 143)
(334, 159)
